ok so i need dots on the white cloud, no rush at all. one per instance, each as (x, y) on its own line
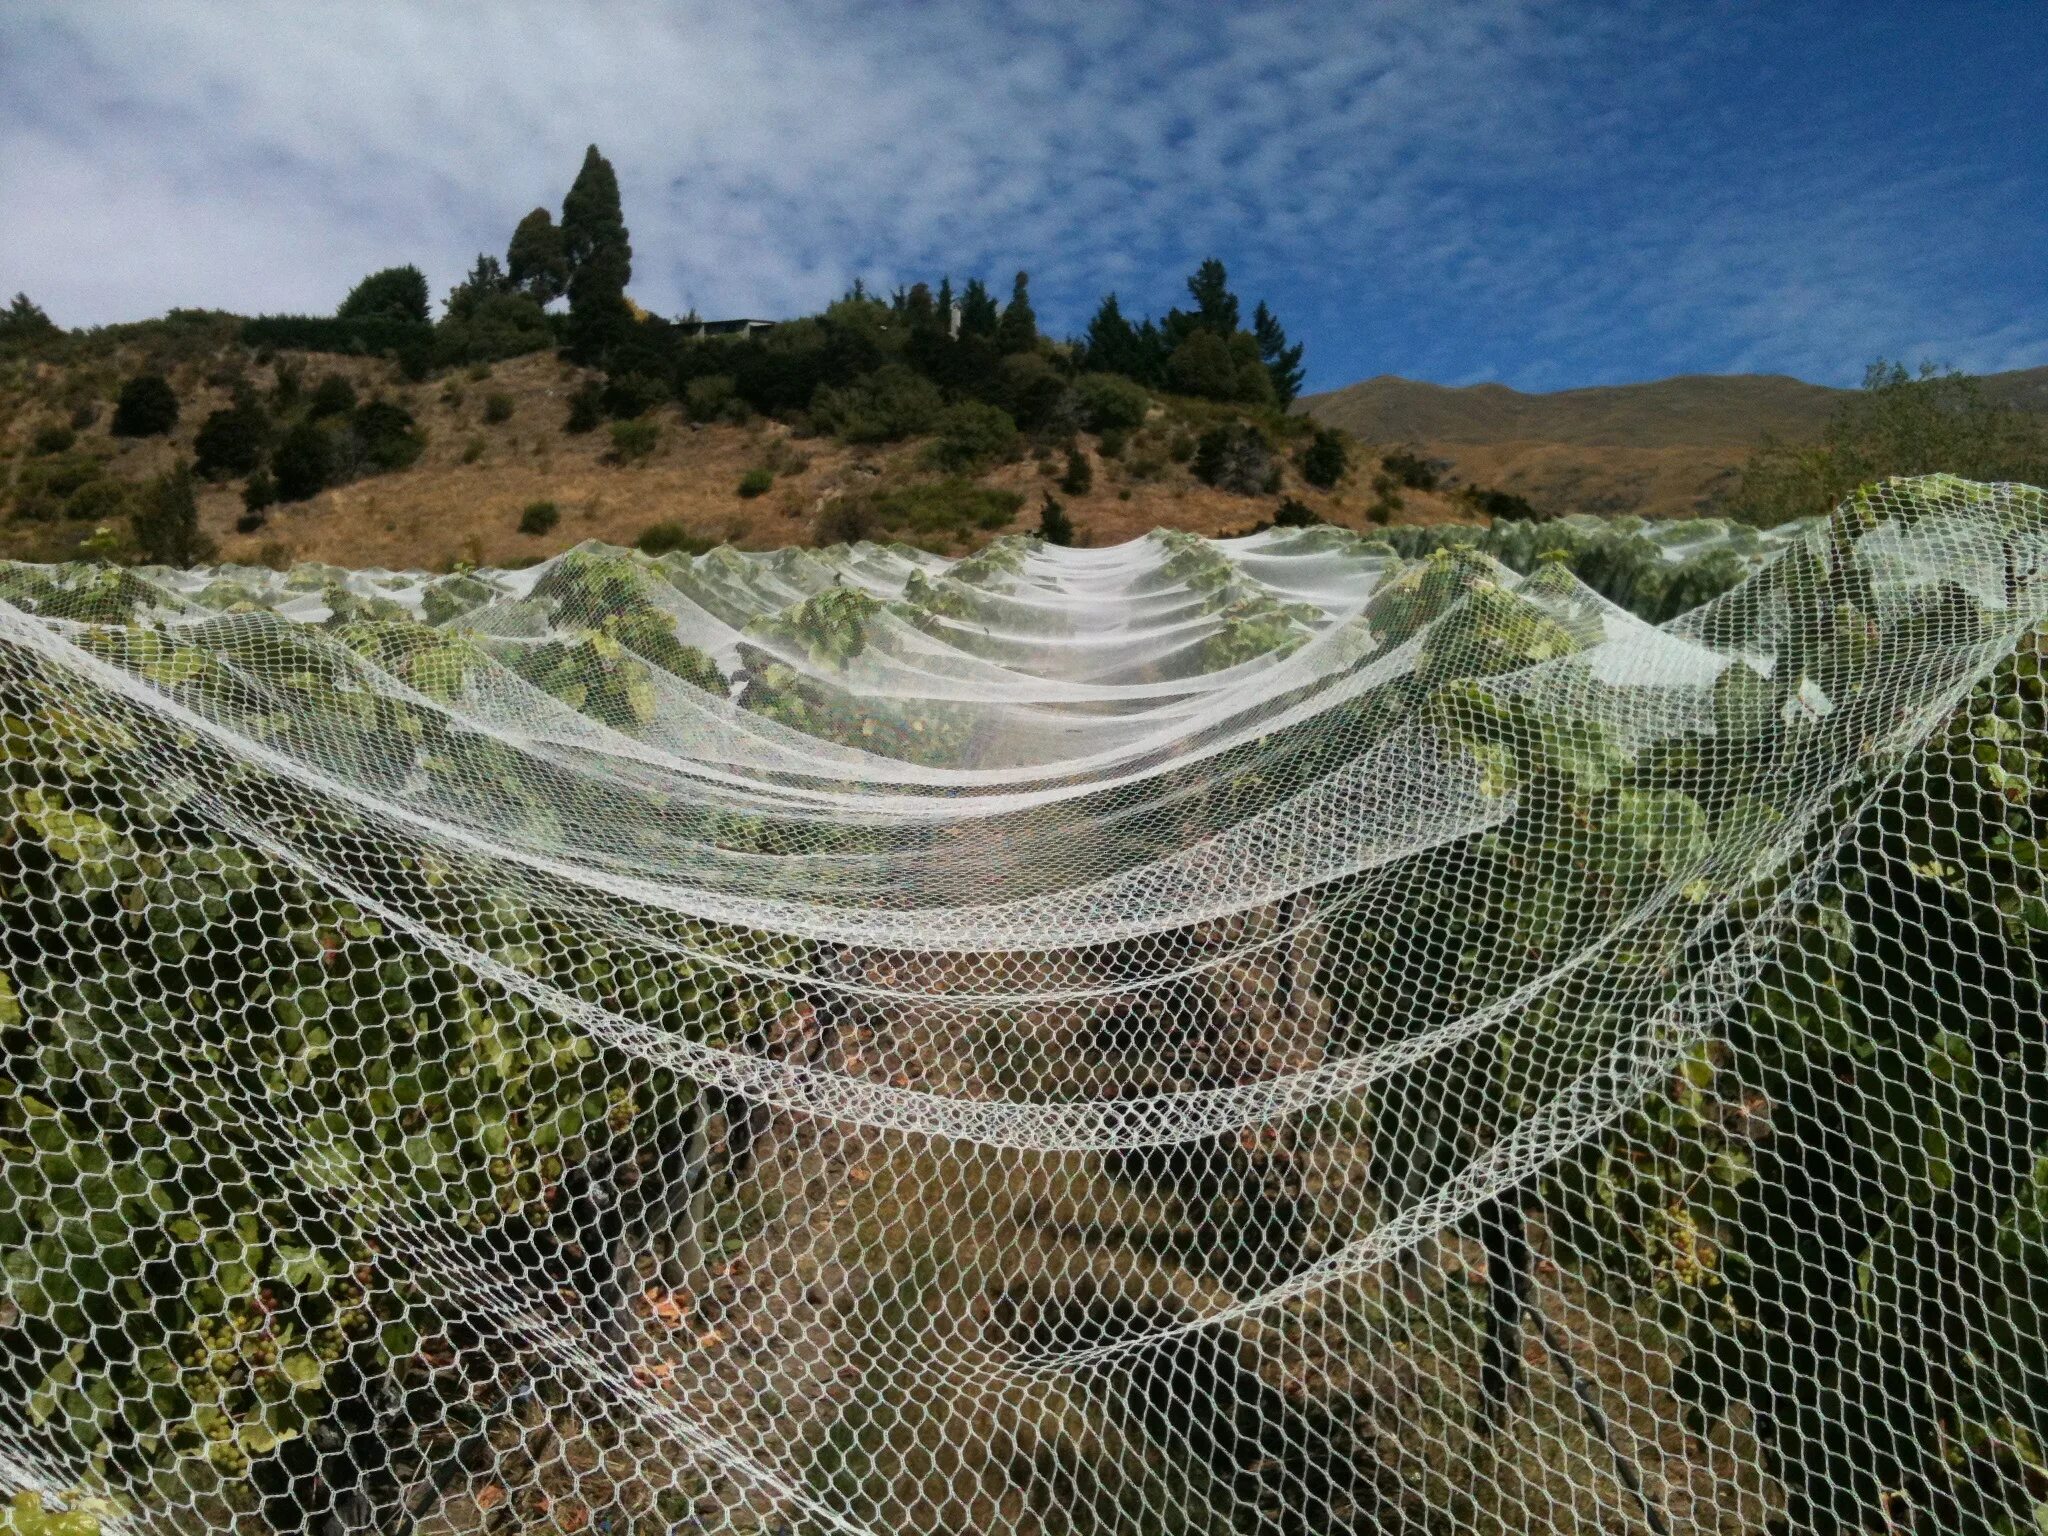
(1435, 155)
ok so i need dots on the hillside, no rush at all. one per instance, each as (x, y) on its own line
(463, 498)
(1670, 447)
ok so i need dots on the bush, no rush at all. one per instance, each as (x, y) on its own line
(670, 538)
(1113, 442)
(250, 522)
(586, 408)
(166, 523)
(1325, 460)
(1295, 514)
(756, 482)
(84, 414)
(306, 462)
(1235, 458)
(395, 293)
(1212, 368)
(635, 440)
(497, 407)
(334, 396)
(943, 506)
(259, 493)
(891, 403)
(972, 435)
(231, 441)
(97, 501)
(360, 336)
(497, 326)
(1409, 469)
(712, 398)
(627, 395)
(1079, 478)
(1038, 397)
(539, 517)
(473, 450)
(846, 520)
(55, 438)
(386, 437)
(1109, 403)
(1054, 526)
(1499, 504)
(148, 407)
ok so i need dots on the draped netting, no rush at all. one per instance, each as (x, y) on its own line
(1271, 1035)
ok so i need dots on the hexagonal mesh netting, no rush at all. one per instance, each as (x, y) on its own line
(1259, 1036)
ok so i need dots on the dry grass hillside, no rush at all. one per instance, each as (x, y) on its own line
(1672, 447)
(463, 499)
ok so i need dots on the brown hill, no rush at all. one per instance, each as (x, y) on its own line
(1670, 447)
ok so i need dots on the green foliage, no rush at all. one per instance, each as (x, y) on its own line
(537, 261)
(757, 481)
(23, 323)
(54, 438)
(1079, 476)
(1235, 457)
(166, 521)
(1900, 424)
(1489, 501)
(539, 517)
(1293, 513)
(333, 396)
(1212, 366)
(599, 253)
(148, 407)
(498, 407)
(973, 435)
(307, 461)
(1283, 363)
(635, 440)
(1409, 469)
(671, 538)
(394, 293)
(1035, 393)
(1017, 331)
(231, 441)
(1108, 403)
(385, 436)
(951, 506)
(1054, 526)
(1326, 459)
(713, 397)
(492, 326)
(359, 335)
(1114, 346)
(586, 407)
(889, 404)
(98, 501)
(260, 492)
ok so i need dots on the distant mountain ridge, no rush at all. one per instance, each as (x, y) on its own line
(1669, 447)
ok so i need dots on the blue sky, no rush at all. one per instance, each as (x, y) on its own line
(1545, 193)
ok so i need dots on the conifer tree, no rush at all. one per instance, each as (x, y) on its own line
(1018, 329)
(600, 257)
(978, 313)
(944, 304)
(1112, 344)
(1283, 363)
(1215, 304)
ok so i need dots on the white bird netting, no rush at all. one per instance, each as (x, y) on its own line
(1256, 1036)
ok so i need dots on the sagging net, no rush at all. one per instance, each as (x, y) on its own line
(1256, 1036)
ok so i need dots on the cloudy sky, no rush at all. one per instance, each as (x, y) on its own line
(1546, 192)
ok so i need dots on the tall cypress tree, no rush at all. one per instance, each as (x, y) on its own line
(600, 257)
(1018, 329)
(978, 313)
(1283, 363)
(1112, 343)
(944, 304)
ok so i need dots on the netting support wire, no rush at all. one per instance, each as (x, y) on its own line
(1625, 1471)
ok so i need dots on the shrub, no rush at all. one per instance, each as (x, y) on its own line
(148, 407)
(712, 398)
(635, 440)
(473, 450)
(973, 434)
(1213, 368)
(97, 501)
(627, 395)
(260, 492)
(1113, 442)
(231, 441)
(1079, 478)
(306, 462)
(1236, 458)
(1054, 526)
(943, 506)
(333, 396)
(756, 482)
(166, 522)
(84, 414)
(43, 487)
(1109, 403)
(1038, 397)
(1295, 514)
(891, 403)
(539, 517)
(497, 407)
(1409, 469)
(1498, 504)
(1325, 460)
(498, 325)
(386, 435)
(846, 520)
(670, 538)
(250, 522)
(56, 438)
(395, 293)
(586, 408)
